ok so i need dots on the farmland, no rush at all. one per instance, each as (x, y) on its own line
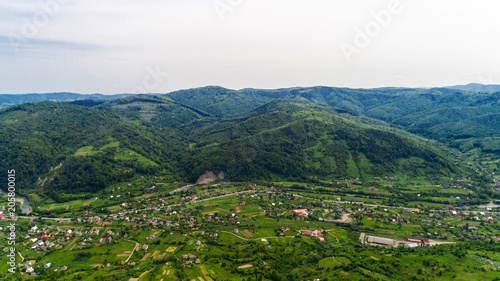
(238, 231)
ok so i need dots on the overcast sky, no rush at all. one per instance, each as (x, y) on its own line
(120, 46)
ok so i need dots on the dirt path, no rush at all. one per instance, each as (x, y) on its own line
(21, 256)
(235, 235)
(290, 243)
(434, 242)
(333, 236)
(392, 211)
(74, 240)
(137, 245)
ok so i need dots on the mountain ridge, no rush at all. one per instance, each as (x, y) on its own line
(84, 149)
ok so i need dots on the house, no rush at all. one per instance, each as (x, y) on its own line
(362, 237)
(380, 241)
(301, 212)
(413, 240)
(306, 231)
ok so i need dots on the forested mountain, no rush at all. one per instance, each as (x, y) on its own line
(284, 133)
(299, 139)
(457, 109)
(420, 111)
(61, 148)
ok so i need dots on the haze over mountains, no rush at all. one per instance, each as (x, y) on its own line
(12, 99)
(293, 133)
(475, 87)
(8, 100)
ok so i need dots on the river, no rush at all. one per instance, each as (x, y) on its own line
(25, 206)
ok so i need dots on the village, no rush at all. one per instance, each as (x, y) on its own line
(183, 227)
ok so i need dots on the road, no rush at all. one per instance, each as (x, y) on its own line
(271, 237)
(198, 201)
(220, 196)
(356, 203)
(186, 187)
(46, 218)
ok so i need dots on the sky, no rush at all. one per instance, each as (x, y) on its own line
(149, 46)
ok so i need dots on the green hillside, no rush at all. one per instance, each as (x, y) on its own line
(464, 116)
(301, 139)
(73, 149)
(55, 146)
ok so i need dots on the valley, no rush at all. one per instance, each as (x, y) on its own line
(265, 231)
(291, 184)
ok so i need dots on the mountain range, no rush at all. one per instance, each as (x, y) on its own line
(82, 146)
(475, 87)
(9, 100)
